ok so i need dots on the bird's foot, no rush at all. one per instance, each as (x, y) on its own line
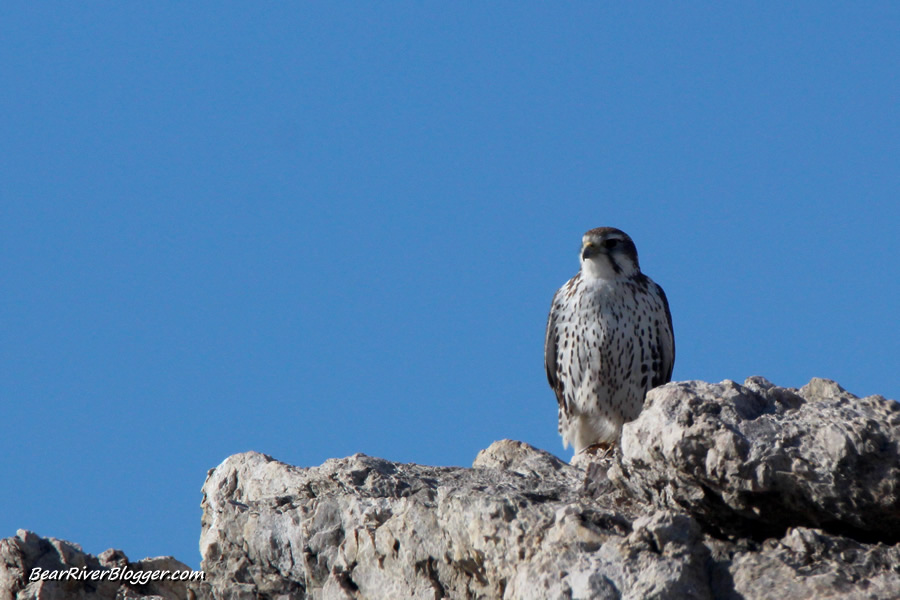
(592, 453)
(600, 450)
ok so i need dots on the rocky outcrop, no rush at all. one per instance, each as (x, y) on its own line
(716, 491)
(719, 491)
(757, 459)
(40, 568)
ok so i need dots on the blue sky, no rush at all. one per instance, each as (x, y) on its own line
(318, 229)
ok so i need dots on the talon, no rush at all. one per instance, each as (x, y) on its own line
(600, 450)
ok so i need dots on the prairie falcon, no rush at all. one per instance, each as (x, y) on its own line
(609, 340)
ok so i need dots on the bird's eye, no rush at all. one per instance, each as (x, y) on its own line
(610, 244)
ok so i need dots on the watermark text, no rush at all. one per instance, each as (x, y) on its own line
(132, 576)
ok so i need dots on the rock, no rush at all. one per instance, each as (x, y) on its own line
(807, 563)
(757, 459)
(518, 524)
(717, 491)
(49, 569)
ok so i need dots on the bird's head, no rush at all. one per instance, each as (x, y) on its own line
(608, 253)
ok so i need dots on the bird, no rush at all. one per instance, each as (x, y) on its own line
(609, 341)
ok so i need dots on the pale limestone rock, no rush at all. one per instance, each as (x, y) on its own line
(517, 525)
(681, 515)
(26, 551)
(717, 491)
(757, 459)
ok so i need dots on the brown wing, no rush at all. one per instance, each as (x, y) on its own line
(666, 340)
(551, 350)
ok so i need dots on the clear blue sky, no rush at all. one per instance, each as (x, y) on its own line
(318, 229)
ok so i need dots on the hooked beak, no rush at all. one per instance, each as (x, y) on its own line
(590, 250)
